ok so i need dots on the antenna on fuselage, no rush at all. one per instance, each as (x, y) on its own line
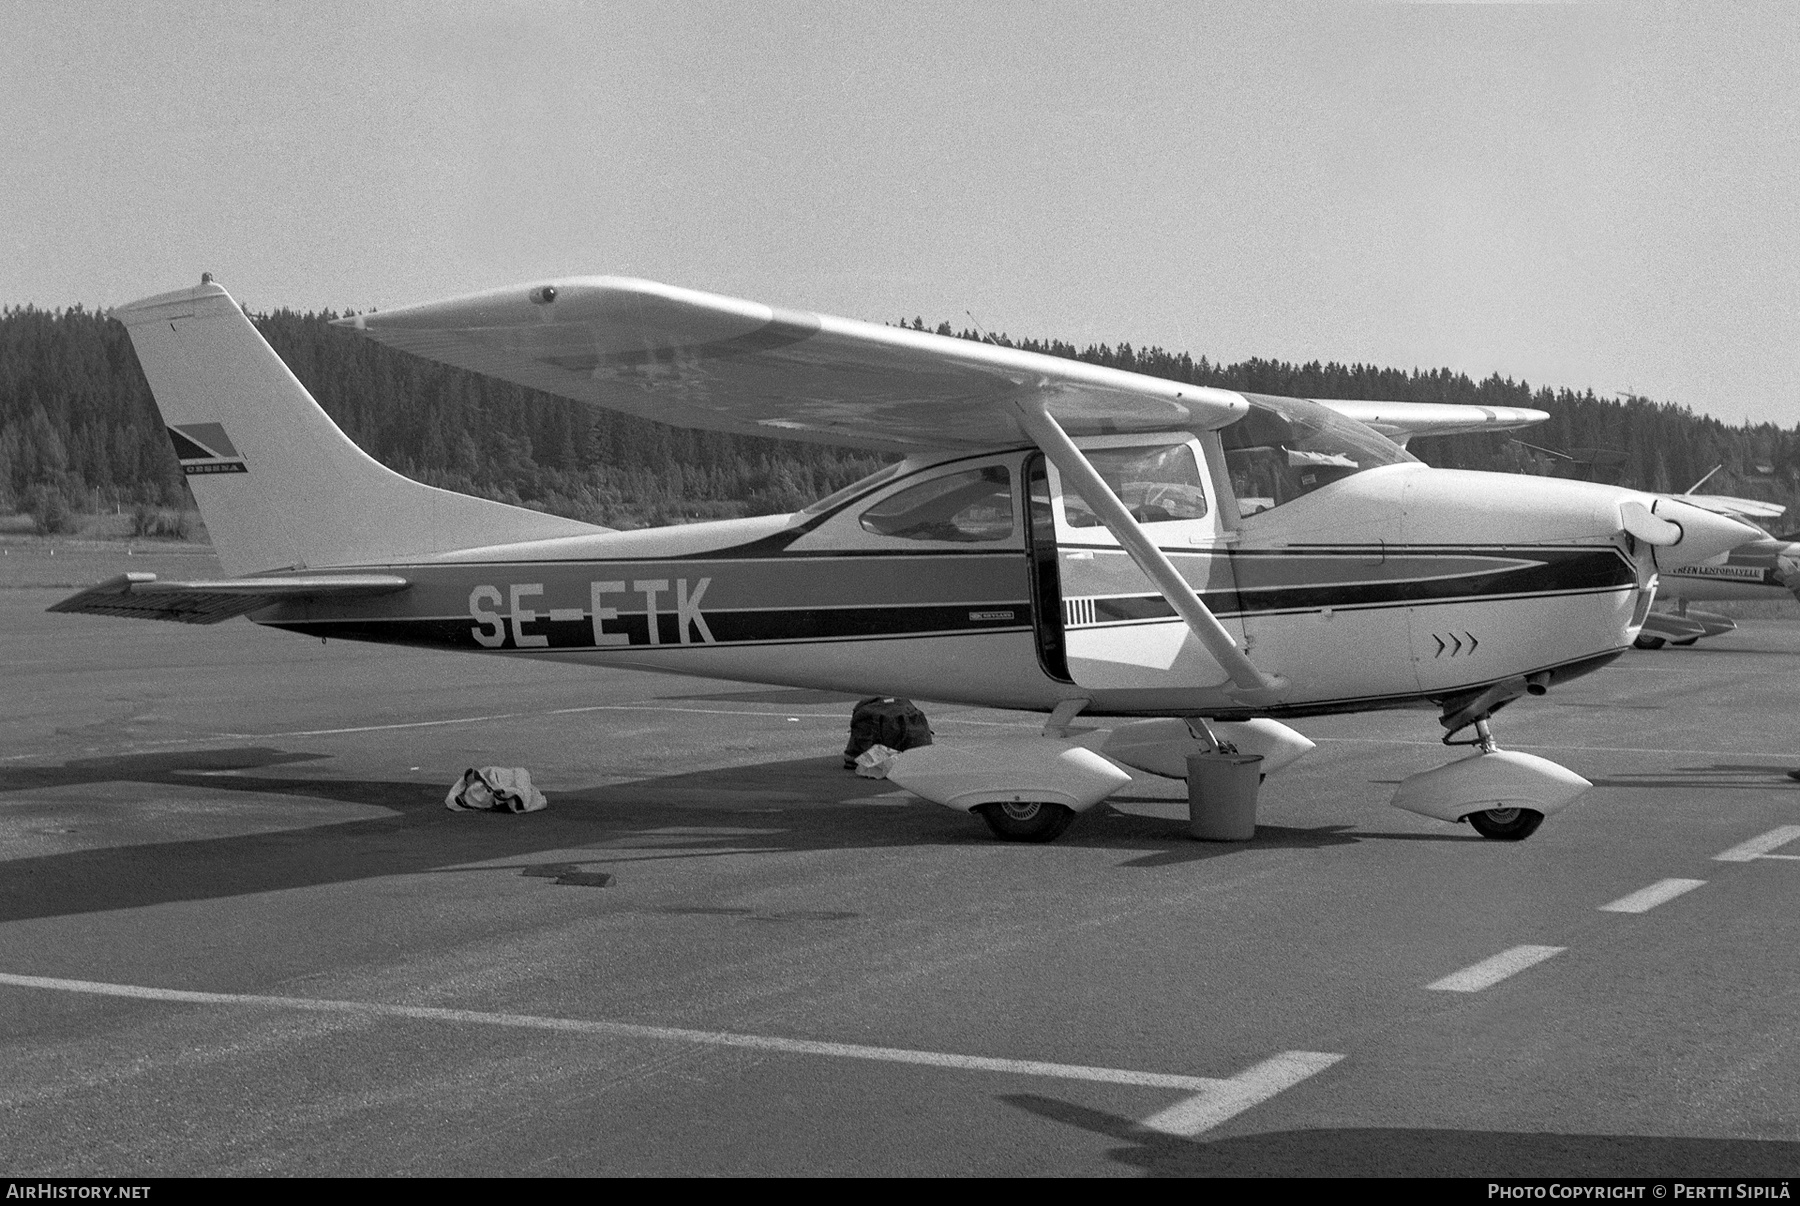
(1546, 451)
(985, 337)
(1704, 480)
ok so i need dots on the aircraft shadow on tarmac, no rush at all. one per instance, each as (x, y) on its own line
(814, 802)
(1420, 1152)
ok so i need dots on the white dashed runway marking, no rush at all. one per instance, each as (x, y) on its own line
(1759, 847)
(1227, 1098)
(1645, 899)
(1213, 1101)
(1491, 971)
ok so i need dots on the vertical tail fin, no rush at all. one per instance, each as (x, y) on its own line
(278, 483)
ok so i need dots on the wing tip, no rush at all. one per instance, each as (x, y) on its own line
(148, 308)
(531, 301)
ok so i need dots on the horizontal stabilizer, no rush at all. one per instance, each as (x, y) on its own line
(144, 597)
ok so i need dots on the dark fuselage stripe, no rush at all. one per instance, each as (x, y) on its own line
(780, 625)
(1583, 573)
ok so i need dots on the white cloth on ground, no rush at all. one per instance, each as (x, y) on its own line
(873, 762)
(495, 789)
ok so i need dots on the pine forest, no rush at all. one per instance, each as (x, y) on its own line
(80, 434)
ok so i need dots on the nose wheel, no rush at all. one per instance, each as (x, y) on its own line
(1506, 824)
(1498, 824)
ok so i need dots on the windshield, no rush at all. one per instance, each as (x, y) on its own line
(1284, 448)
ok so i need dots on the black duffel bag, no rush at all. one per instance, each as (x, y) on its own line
(885, 720)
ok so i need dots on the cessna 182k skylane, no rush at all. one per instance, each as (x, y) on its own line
(1060, 537)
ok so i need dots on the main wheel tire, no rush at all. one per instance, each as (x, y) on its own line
(1507, 824)
(1649, 642)
(1027, 820)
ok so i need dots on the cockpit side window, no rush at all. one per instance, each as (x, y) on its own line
(968, 507)
(1285, 448)
(1156, 484)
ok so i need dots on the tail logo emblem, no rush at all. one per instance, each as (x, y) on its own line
(204, 448)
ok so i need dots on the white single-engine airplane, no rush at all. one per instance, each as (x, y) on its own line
(1060, 537)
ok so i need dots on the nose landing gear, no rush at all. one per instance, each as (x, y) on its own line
(1501, 824)
(1504, 794)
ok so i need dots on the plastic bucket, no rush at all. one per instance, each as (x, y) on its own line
(1222, 796)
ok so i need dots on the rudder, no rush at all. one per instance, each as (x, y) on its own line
(279, 484)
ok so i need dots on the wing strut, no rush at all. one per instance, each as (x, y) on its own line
(1249, 684)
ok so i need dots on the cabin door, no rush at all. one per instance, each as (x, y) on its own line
(1112, 628)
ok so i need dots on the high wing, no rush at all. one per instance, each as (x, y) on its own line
(702, 360)
(145, 597)
(1403, 421)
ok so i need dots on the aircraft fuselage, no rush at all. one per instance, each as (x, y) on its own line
(1760, 569)
(1049, 609)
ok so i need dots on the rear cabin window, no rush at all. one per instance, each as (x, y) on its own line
(965, 508)
(1156, 485)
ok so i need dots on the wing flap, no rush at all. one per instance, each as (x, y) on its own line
(702, 360)
(144, 597)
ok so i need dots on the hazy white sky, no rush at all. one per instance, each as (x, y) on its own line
(1582, 195)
